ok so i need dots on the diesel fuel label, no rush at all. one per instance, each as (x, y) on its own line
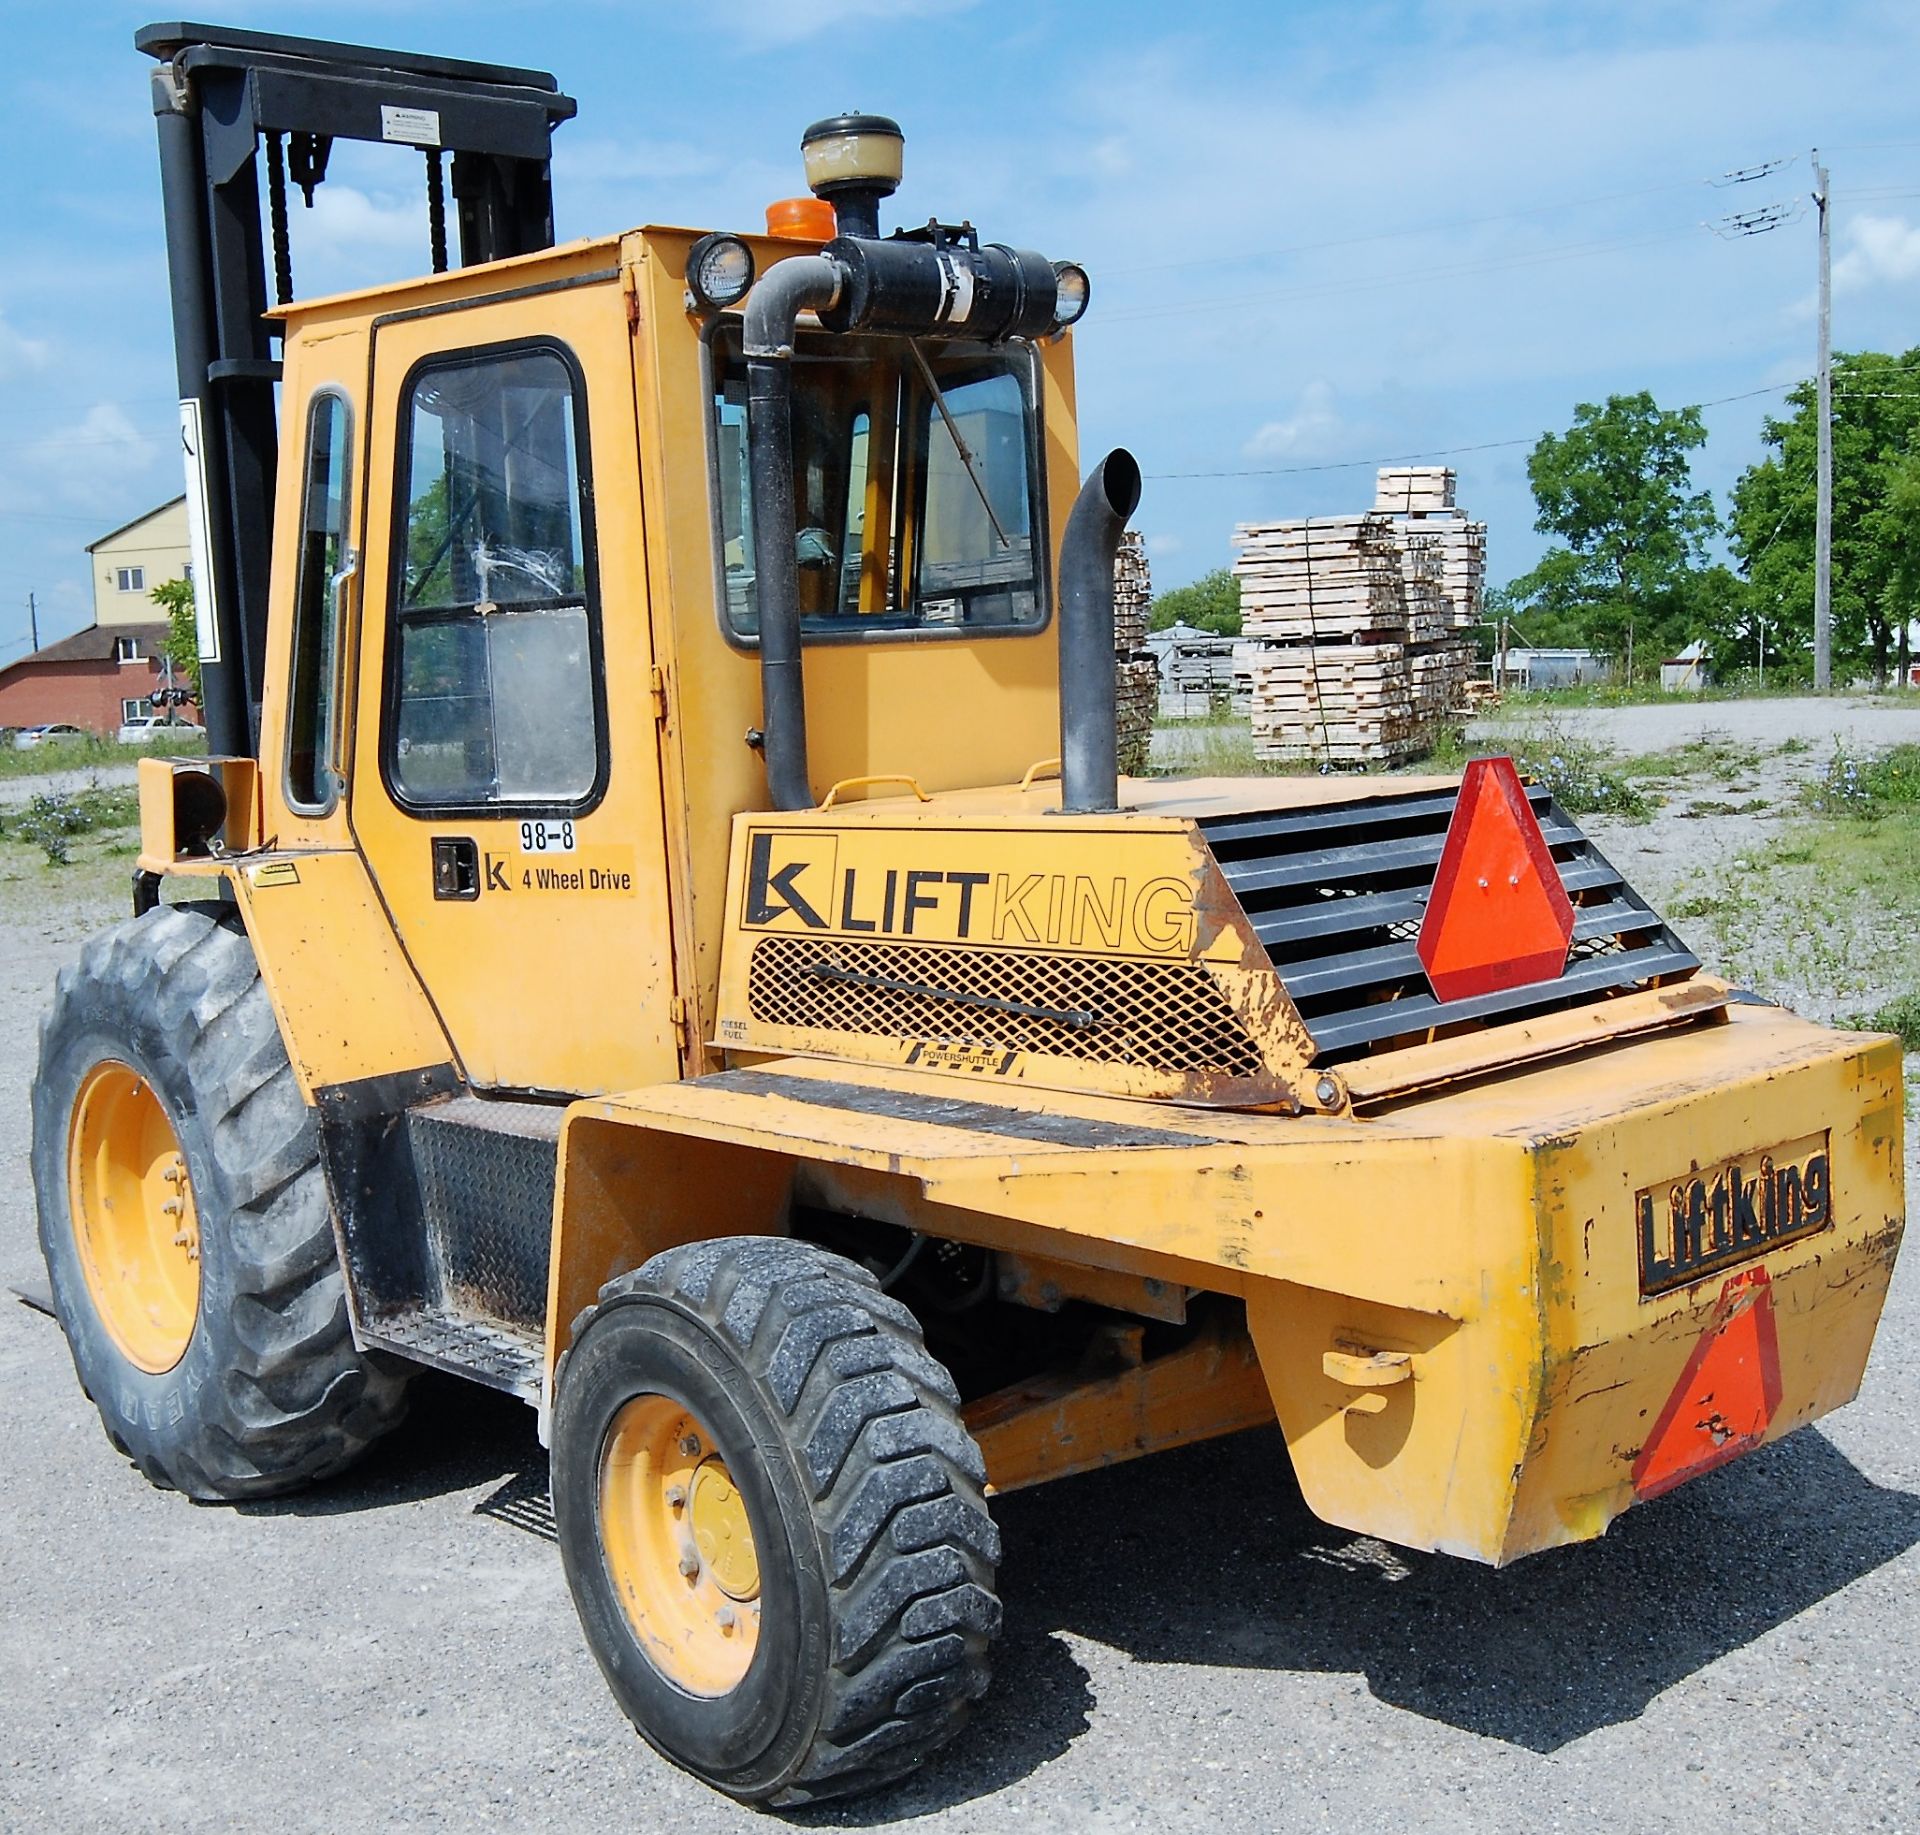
(1015, 888)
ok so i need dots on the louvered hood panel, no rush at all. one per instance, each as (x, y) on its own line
(1337, 894)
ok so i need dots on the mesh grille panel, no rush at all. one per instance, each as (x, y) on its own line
(1163, 1016)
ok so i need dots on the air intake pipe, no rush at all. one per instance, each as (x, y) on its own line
(1089, 743)
(789, 288)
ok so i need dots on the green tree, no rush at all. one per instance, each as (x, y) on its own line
(1617, 489)
(1876, 512)
(1211, 603)
(181, 645)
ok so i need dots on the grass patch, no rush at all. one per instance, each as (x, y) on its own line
(1900, 1016)
(1757, 806)
(1713, 756)
(51, 822)
(1585, 778)
(1826, 909)
(89, 753)
(1219, 748)
(1866, 788)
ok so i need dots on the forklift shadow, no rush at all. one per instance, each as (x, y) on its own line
(1207, 1556)
(1217, 1561)
(456, 1435)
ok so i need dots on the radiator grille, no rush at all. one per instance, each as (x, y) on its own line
(1337, 894)
(1162, 1016)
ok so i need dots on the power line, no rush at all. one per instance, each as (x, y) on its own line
(1745, 175)
(1438, 452)
(1761, 220)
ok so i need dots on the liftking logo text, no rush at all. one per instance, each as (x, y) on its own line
(1732, 1212)
(800, 882)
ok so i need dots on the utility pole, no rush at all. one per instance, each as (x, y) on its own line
(1823, 514)
(33, 619)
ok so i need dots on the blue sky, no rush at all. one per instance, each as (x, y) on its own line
(1318, 233)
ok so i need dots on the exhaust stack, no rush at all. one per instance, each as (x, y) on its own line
(1089, 744)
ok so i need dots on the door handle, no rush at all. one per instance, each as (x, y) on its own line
(456, 867)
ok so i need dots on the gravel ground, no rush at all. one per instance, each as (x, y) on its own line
(1186, 1649)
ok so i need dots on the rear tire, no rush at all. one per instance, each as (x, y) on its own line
(873, 1552)
(268, 1392)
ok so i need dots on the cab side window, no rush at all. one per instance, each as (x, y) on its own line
(493, 663)
(324, 562)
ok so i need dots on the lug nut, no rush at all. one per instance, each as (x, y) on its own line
(676, 1497)
(724, 1618)
(690, 1566)
(691, 1446)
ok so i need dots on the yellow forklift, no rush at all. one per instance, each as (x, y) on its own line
(660, 933)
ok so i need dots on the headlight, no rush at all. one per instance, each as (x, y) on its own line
(1071, 291)
(719, 271)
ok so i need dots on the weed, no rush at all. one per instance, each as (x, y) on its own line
(1713, 755)
(1901, 1015)
(91, 751)
(50, 821)
(1711, 807)
(1867, 787)
(1582, 776)
(1218, 748)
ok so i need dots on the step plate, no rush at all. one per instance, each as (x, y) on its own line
(466, 1347)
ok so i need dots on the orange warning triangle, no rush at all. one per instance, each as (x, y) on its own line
(1498, 916)
(1726, 1396)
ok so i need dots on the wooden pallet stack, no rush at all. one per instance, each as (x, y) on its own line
(1406, 490)
(1137, 677)
(1353, 624)
(1132, 595)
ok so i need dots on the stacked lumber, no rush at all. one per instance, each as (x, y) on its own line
(1334, 703)
(1132, 594)
(1136, 675)
(1463, 565)
(1404, 489)
(1352, 624)
(1320, 579)
(1136, 701)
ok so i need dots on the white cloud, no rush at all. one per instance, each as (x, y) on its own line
(19, 354)
(1884, 249)
(91, 460)
(353, 238)
(765, 23)
(1164, 546)
(1305, 432)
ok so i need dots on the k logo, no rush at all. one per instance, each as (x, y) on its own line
(785, 874)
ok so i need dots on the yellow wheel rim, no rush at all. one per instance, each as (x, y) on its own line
(134, 1219)
(678, 1545)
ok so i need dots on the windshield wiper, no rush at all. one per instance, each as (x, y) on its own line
(959, 445)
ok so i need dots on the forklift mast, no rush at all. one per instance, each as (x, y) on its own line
(216, 94)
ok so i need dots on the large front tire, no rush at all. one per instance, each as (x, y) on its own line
(772, 1520)
(185, 1221)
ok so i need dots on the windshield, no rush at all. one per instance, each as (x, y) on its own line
(916, 487)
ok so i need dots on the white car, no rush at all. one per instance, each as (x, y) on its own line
(29, 736)
(146, 729)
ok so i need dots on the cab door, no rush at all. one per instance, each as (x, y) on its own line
(506, 788)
